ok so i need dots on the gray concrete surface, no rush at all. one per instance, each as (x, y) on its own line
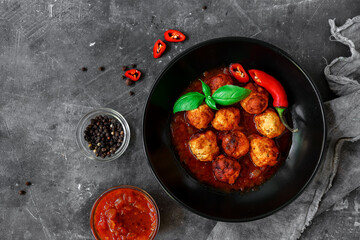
(43, 45)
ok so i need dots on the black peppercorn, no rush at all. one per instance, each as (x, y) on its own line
(131, 93)
(124, 68)
(133, 65)
(104, 135)
(129, 82)
(102, 68)
(22, 192)
(84, 69)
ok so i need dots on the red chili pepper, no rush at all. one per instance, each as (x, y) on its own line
(174, 36)
(276, 90)
(159, 48)
(133, 74)
(238, 72)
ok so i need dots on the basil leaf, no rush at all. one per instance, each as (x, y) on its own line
(230, 94)
(211, 103)
(188, 101)
(205, 88)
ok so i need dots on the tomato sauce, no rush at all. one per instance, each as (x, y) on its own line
(250, 176)
(125, 213)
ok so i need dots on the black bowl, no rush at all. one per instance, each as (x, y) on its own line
(307, 145)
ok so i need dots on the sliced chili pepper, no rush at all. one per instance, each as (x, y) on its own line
(174, 36)
(133, 74)
(238, 72)
(159, 48)
(276, 90)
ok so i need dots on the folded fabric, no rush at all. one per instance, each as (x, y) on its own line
(343, 120)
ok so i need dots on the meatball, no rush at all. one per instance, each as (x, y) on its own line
(204, 146)
(268, 124)
(235, 144)
(200, 117)
(263, 151)
(226, 119)
(218, 81)
(226, 169)
(257, 101)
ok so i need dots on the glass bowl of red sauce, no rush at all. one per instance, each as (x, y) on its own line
(124, 212)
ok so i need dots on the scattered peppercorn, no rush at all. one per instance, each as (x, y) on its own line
(84, 69)
(204, 7)
(102, 68)
(22, 192)
(28, 183)
(124, 68)
(104, 135)
(131, 93)
(123, 77)
(133, 66)
(129, 82)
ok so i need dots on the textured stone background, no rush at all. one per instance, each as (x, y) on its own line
(43, 45)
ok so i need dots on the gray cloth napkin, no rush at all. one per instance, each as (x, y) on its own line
(343, 119)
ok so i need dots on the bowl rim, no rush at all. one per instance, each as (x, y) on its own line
(280, 52)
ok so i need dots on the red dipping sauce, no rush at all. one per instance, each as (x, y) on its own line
(125, 212)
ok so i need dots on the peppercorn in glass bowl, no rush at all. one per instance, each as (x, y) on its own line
(103, 134)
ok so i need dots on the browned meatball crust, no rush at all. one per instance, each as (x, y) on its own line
(256, 88)
(218, 81)
(226, 169)
(200, 117)
(226, 119)
(268, 124)
(235, 144)
(204, 146)
(263, 151)
(257, 101)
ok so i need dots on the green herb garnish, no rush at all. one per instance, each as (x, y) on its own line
(230, 94)
(225, 95)
(189, 101)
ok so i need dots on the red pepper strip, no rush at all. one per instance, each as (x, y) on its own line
(238, 72)
(159, 48)
(133, 74)
(174, 36)
(276, 90)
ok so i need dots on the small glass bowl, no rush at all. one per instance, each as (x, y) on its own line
(85, 121)
(139, 190)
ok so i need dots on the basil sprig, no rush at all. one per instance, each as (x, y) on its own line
(205, 88)
(189, 101)
(225, 95)
(211, 103)
(208, 99)
(230, 94)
